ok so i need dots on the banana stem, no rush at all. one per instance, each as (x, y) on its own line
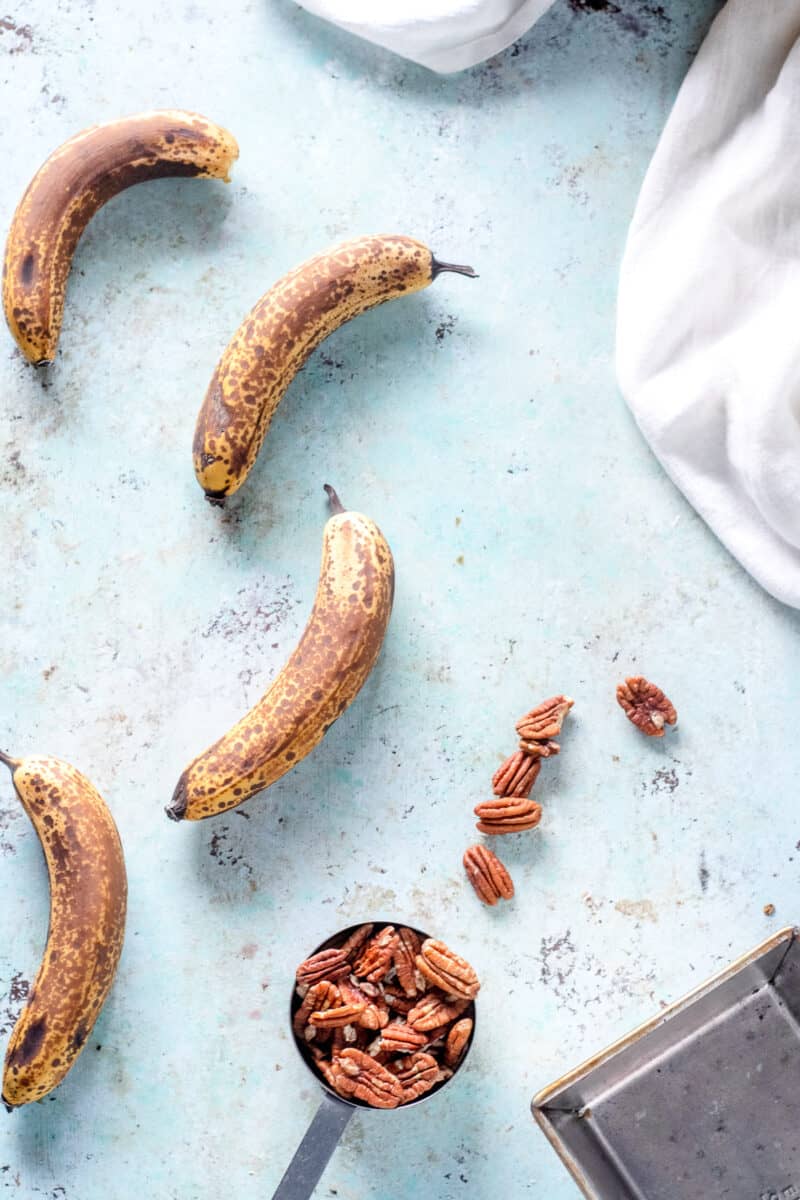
(438, 267)
(334, 501)
(11, 763)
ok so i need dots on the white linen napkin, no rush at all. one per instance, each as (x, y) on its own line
(708, 346)
(445, 35)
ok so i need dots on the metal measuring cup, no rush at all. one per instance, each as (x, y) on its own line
(331, 1118)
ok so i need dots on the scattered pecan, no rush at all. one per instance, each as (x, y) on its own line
(336, 1018)
(447, 970)
(400, 1038)
(645, 705)
(327, 964)
(456, 1042)
(353, 944)
(417, 1074)
(406, 949)
(544, 721)
(540, 749)
(507, 814)
(516, 776)
(487, 875)
(361, 1076)
(433, 1011)
(376, 957)
(321, 996)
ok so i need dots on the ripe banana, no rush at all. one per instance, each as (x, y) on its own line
(87, 921)
(65, 193)
(278, 335)
(325, 673)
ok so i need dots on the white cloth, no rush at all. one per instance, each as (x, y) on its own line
(708, 346)
(445, 35)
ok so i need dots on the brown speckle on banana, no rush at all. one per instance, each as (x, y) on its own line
(278, 335)
(76, 180)
(327, 670)
(88, 891)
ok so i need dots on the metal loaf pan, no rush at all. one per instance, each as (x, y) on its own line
(700, 1103)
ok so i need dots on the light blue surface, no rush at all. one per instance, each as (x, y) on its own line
(539, 548)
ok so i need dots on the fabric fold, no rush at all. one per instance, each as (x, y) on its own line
(707, 356)
(443, 35)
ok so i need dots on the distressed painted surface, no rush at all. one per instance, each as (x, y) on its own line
(539, 548)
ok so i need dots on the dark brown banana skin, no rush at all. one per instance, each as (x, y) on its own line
(331, 663)
(76, 180)
(88, 893)
(282, 330)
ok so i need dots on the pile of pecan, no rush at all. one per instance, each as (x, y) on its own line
(511, 809)
(386, 1015)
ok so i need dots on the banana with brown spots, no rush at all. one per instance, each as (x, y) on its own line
(278, 335)
(327, 670)
(65, 193)
(88, 892)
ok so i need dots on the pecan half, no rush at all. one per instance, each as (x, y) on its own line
(361, 1076)
(416, 1074)
(397, 1001)
(350, 946)
(375, 1012)
(487, 875)
(399, 1038)
(456, 1042)
(447, 970)
(645, 705)
(545, 720)
(326, 964)
(336, 1018)
(328, 1072)
(319, 998)
(435, 1036)
(516, 776)
(376, 957)
(344, 1035)
(540, 749)
(507, 814)
(406, 949)
(433, 1010)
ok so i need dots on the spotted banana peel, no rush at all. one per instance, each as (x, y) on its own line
(326, 671)
(281, 331)
(76, 180)
(88, 893)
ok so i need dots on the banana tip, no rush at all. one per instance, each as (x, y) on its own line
(176, 809)
(439, 267)
(11, 763)
(216, 499)
(8, 1107)
(335, 503)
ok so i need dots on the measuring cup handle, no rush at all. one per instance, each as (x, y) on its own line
(312, 1155)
